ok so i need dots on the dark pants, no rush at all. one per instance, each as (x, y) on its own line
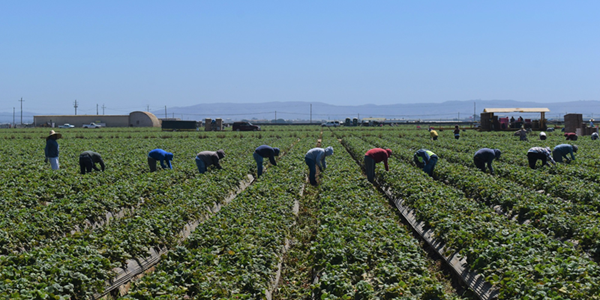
(201, 165)
(435, 138)
(312, 170)
(542, 137)
(152, 164)
(85, 163)
(533, 158)
(456, 136)
(479, 163)
(259, 164)
(370, 168)
(430, 165)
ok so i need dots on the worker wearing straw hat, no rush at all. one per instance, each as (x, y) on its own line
(51, 150)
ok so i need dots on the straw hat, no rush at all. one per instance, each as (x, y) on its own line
(58, 135)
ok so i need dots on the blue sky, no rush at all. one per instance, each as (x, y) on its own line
(127, 55)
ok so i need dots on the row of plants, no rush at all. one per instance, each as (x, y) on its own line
(518, 259)
(81, 264)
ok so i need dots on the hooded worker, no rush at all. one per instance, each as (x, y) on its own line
(542, 136)
(485, 156)
(426, 160)
(563, 150)
(374, 156)
(456, 132)
(264, 151)
(539, 153)
(206, 159)
(594, 136)
(433, 134)
(51, 149)
(162, 156)
(316, 157)
(88, 161)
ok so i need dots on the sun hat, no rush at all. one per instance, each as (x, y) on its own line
(52, 133)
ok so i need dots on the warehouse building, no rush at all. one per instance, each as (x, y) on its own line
(134, 119)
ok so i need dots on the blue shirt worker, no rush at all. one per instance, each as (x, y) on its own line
(563, 150)
(485, 156)
(539, 153)
(51, 149)
(88, 160)
(316, 157)
(426, 160)
(262, 152)
(162, 156)
(206, 159)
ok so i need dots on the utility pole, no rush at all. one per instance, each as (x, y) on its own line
(459, 116)
(311, 113)
(165, 111)
(21, 110)
(14, 116)
(76, 106)
(474, 111)
(148, 108)
(96, 109)
(275, 116)
(103, 107)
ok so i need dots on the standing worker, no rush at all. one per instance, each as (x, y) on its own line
(426, 160)
(262, 152)
(51, 149)
(543, 154)
(456, 132)
(563, 150)
(162, 156)
(374, 156)
(88, 160)
(206, 159)
(316, 157)
(522, 134)
(433, 134)
(485, 156)
(542, 136)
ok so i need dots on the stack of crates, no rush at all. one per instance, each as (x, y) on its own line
(573, 122)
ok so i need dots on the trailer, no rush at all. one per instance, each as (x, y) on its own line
(173, 125)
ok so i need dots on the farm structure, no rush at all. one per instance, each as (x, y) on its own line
(462, 233)
(134, 119)
(491, 122)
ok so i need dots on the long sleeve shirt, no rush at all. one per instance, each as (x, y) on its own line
(210, 158)
(96, 158)
(162, 156)
(318, 155)
(486, 155)
(433, 133)
(422, 157)
(266, 151)
(51, 149)
(379, 155)
(545, 151)
(564, 150)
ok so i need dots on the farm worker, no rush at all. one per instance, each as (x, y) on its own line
(543, 154)
(374, 156)
(264, 151)
(433, 134)
(316, 157)
(51, 149)
(485, 156)
(426, 159)
(563, 150)
(456, 132)
(522, 134)
(571, 136)
(594, 136)
(88, 160)
(591, 122)
(162, 156)
(205, 159)
(542, 136)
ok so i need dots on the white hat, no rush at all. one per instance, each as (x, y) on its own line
(58, 135)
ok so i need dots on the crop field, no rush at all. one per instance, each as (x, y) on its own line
(128, 233)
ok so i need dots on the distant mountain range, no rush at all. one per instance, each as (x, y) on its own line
(323, 111)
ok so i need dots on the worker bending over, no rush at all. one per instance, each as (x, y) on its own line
(485, 156)
(543, 154)
(563, 150)
(316, 157)
(88, 160)
(542, 136)
(594, 136)
(206, 159)
(374, 156)
(571, 136)
(264, 151)
(426, 160)
(162, 156)
(433, 134)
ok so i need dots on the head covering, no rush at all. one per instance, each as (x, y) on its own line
(56, 134)
(575, 148)
(328, 151)
(497, 153)
(220, 153)
(389, 152)
(548, 148)
(169, 156)
(277, 151)
(542, 133)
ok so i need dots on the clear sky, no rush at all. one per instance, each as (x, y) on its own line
(130, 54)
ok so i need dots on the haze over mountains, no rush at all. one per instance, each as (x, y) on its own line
(323, 111)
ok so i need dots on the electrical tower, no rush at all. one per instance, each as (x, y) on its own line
(76, 106)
